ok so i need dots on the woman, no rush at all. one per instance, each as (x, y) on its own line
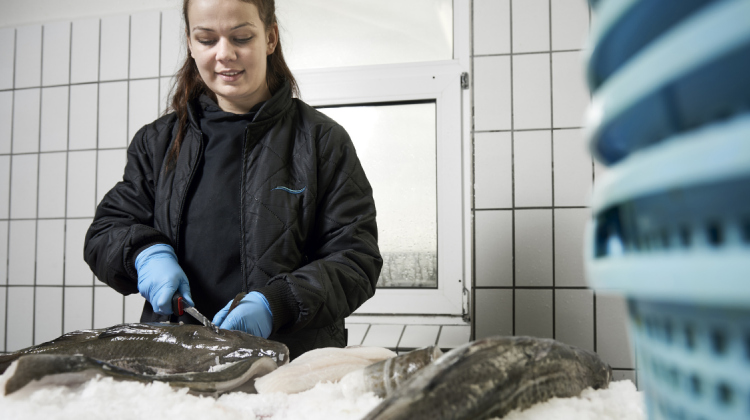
(241, 189)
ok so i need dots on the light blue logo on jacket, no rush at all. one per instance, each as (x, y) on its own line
(290, 191)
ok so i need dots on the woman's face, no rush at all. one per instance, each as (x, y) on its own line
(229, 43)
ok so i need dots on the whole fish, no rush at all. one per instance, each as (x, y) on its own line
(491, 377)
(328, 364)
(154, 349)
(385, 376)
(56, 369)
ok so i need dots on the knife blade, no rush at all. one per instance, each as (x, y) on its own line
(179, 307)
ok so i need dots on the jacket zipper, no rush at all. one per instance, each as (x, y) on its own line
(242, 214)
(187, 187)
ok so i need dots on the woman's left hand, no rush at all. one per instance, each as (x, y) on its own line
(252, 315)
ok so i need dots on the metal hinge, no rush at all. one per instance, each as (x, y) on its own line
(465, 309)
(464, 80)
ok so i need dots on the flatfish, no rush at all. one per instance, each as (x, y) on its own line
(491, 377)
(185, 355)
(328, 364)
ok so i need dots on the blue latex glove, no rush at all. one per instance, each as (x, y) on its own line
(160, 276)
(252, 315)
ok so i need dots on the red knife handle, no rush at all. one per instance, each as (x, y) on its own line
(178, 304)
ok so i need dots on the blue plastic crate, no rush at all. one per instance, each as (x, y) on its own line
(673, 222)
(694, 74)
(671, 232)
(693, 359)
(625, 27)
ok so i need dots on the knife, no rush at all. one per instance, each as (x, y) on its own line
(180, 306)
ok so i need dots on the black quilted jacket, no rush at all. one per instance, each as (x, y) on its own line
(314, 255)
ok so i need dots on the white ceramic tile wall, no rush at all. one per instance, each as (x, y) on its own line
(525, 77)
(54, 125)
(493, 248)
(110, 168)
(491, 27)
(20, 332)
(50, 250)
(6, 120)
(52, 170)
(492, 99)
(4, 185)
(144, 45)
(108, 307)
(115, 48)
(3, 300)
(113, 117)
(28, 56)
(7, 52)
(47, 198)
(23, 182)
(26, 105)
(530, 25)
(528, 104)
(81, 183)
(48, 300)
(22, 236)
(77, 272)
(531, 91)
(493, 178)
(143, 104)
(56, 54)
(573, 177)
(532, 162)
(570, 96)
(534, 313)
(83, 108)
(78, 308)
(533, 248)
(84, 51)
(3, 253)
(133, 307)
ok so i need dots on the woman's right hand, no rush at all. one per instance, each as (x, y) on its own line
(160, 276)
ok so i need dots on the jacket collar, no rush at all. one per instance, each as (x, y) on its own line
(274, 107)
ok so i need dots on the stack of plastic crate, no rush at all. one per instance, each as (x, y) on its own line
(670, 117)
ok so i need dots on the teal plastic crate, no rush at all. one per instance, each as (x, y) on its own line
(671, 232)
(693, 74)
(693, 359)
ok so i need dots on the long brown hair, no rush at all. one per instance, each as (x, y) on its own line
(189, 85)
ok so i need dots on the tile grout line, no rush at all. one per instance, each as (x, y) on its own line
(45, 218)
(96, 159)
(67, 166)
(83, 83)
(532, 208)
(473, 245)
(62, 151)
(365, 335)
(400, 336)
(552, 169)
(127, 105)
(531, 129)
(38, 181)
(10, 189)
(512, 174)
(529, 52)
